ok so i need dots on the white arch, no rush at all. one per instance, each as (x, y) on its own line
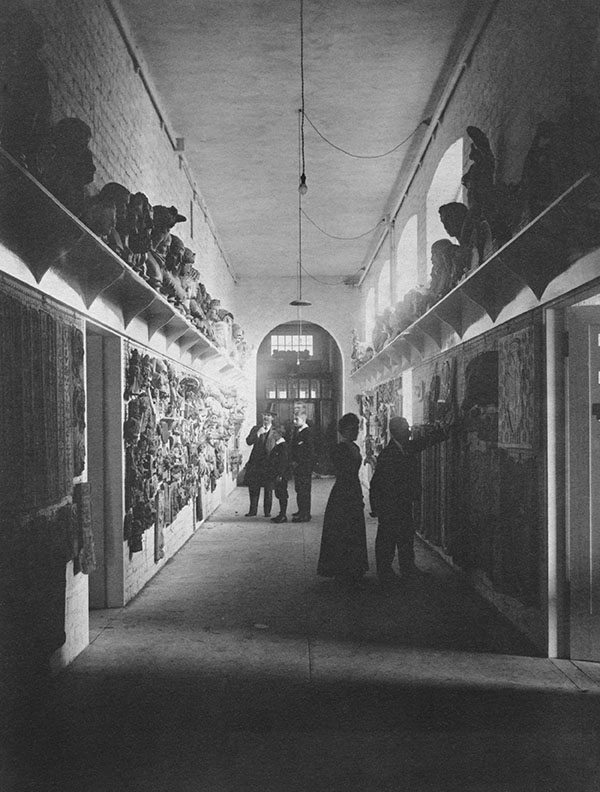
(407, 259)
(384, 287)
(369, 314)
(445, 188)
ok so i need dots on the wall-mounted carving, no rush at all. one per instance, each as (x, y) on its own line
(515, 390)
(65, 163)
(177, 432)
(78, 400)
(42, 393)
(480, 483)
(375, 409)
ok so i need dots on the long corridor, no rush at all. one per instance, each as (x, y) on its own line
(238, 670)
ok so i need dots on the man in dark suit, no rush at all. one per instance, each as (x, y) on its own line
(279, 473)
(302, 452)
(395, 485)
(262, 438)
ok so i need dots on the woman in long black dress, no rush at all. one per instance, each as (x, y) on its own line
(344, 540)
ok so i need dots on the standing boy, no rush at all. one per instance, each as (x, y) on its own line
(302, 451)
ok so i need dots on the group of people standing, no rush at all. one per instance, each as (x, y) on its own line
(272, 463)
(394, 487)
(393, 490)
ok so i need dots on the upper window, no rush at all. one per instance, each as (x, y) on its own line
(446, 187)
(369, 314)
(407, 257)
(384, 287)
(292, 343)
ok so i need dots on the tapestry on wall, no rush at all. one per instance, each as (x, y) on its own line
(42, 403)
(376, 408)
(516, 407)
(481, 485)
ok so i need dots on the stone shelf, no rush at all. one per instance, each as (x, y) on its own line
(520, 273)
(47, 236)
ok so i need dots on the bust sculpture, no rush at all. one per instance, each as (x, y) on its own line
(196, 311)
(189, 278)
(453, 216)
(443, 269)
(66, 164)
(156, 262)
(479, 184)
(139, 228)
(117, 239)
(106, 212)
(164, 218)
(171, 284)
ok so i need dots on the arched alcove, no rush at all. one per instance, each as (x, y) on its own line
(369, 314)
(407, 259)
(445, 188)
(384, 287)
(301, 362)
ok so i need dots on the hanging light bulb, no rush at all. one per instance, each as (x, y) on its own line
(299, 302)
(302, 188)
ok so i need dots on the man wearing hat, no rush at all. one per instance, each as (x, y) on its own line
(395, 485)
(262, 438)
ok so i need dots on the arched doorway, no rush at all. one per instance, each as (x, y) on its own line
(301, 362)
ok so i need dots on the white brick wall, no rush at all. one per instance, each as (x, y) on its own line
(92, 77)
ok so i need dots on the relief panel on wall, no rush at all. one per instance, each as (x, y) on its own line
(179, 434)
(516, 407)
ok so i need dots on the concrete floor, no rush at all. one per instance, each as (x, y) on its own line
(238, 670)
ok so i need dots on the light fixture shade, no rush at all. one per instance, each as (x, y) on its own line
(300, 303)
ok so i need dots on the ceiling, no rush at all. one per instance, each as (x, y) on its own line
(228, 74)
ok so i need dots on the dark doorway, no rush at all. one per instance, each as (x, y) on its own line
(301, 363)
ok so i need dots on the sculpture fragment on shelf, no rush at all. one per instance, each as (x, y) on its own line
(139, 224)
(492, 206)
(65, 163)
(383, 329)
(361, 352)
(106, 215)
(450, 262)
(172, 286)
(136, 231)
(156, 262)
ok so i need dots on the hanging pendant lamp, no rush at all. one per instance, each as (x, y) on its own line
(302, 187)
